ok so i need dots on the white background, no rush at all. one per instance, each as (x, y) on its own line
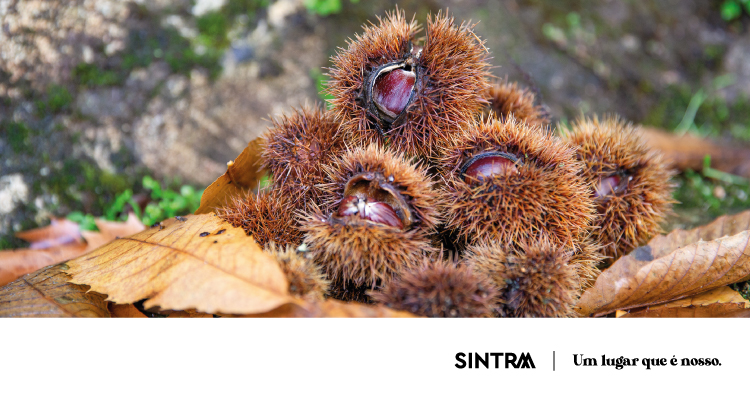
(363, 359)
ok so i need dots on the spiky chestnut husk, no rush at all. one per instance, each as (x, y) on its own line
(357, 249)
(534, 280)
(266, 216)
(295, 148)
(351, 292)
(358, 254)
(411, 181)
(306, 279)
(526, 184)
(630, 183)
(507, 98)
(442, 289)
(586, 255)
(447, 77)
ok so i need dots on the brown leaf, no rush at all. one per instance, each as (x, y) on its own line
(47, 293)
(688, 151)
(719, 302)
(188, 314)
(638, 279)
(717, 310)
(243, 175)
(196, 262)
(332, 309)
(14, 263)
(124, 311)
(59, 232)
(727, 225)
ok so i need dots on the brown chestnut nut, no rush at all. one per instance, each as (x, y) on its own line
(392, 91)
(487, 165)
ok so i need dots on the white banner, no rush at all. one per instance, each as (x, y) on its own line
(369, 358)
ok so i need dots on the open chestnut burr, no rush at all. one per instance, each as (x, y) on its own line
(630, 183)
(389, 86)
(508, 181)
(382, 210)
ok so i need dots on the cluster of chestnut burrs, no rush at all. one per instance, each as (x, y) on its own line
(431, 187)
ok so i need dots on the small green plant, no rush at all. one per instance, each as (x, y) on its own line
(163, 204)
(168, 203)
(704, 111)
(712, 190)
(732, 9)
(325, 7)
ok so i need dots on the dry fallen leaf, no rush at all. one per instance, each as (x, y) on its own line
(727, 225)
(188, 314)
(719, 302)
(47, 293)
(332, 309)
(716, 310)
(195, 262)
(243, 175)
(15, 263)
(688, 151)
(58, 242)
(124, 311)
(59, 232)
(638, 279)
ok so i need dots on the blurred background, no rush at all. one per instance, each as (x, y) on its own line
(108, 106)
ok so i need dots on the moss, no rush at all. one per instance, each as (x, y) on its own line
(17, 135)
(181, 54)
(10, 241)
(248, 8)
(92, 75)
(213, 28)
(7, 244)
(57, 99)
(146, 47)
(80, 185)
